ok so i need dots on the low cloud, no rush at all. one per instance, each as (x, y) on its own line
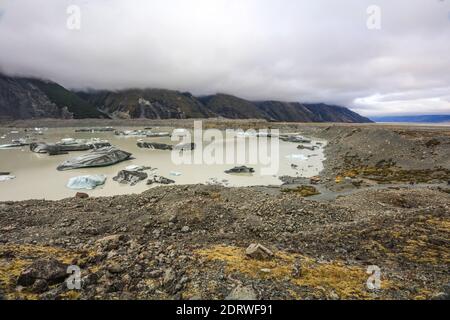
(309, 51)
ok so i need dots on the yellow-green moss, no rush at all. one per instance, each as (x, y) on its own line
(393, 174)
(346, 281)
(15, 258)
(304, 191)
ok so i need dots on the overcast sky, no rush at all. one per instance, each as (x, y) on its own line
(291, 50)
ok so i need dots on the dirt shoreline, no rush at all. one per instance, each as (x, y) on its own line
(188, 242)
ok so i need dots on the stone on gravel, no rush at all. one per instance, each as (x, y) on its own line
(39, 286)
(242, 293)
(50, 270)
(258, 251)
(81, 195)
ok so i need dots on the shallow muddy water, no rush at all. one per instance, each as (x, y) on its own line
(36, 176)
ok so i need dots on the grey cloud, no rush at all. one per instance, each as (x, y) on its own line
(294, 50)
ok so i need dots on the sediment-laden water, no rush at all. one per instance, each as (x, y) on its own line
(36, 176)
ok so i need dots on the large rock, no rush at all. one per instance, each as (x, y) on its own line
(444, 295)
(242, 293)
(258, 251)
(50, 270)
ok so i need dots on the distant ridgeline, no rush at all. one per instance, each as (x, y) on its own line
(414, 119)
(26, 98)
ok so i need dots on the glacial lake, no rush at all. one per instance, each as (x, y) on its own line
(36, 176)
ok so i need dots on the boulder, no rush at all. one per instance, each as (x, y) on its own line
(258, 251)
(315, 180)
(185, 229)
(111, 242)
(50, 270)
(444, 294)
(39, 286)
(242, 293)
(81, 195)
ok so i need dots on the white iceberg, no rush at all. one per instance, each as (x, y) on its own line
(175, 173)
(134, 167)
(67, 141)
(7, 177)
(180, 132)
(86, 182)
(297, 157)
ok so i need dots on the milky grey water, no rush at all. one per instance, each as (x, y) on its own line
(36, 176)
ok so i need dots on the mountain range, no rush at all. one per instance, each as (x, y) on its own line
(29, 98)
(414, 119)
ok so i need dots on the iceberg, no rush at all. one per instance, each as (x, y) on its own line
(297, 157)
(97, 158)
(86, 182)
(6, 178)
(130, 177)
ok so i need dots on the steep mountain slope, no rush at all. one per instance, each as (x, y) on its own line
(162, 104)
(26, 98)
(23, 100)
(231, 107)
(148, 103)
(329, 113)
(65, 98)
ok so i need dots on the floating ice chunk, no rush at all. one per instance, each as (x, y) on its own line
(6, 178)
(97, 158)
(297, 157)
(86, 182)
(245, 134)
(134, 167)
(175, 173)
(68, 141)
(180, 132)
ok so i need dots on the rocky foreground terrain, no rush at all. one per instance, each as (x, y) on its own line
(390, 208)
